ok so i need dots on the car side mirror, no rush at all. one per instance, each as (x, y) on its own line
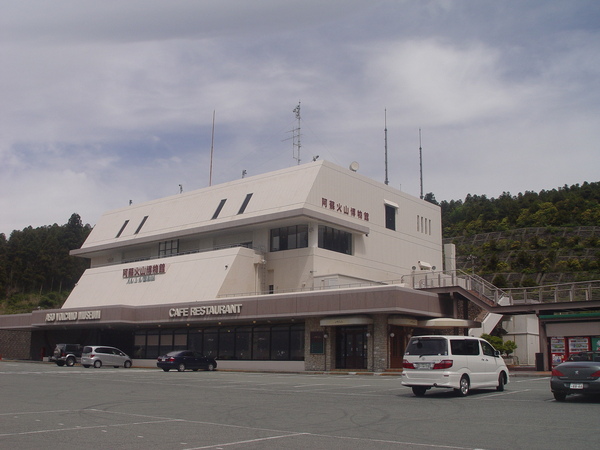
(496, 353)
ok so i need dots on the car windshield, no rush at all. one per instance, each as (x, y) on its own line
(87, 349)
(427, 346)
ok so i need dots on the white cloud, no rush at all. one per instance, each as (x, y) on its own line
(109, 101)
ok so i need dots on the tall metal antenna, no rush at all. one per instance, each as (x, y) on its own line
(212, 146)
(386, 160)
(421, 163)
(296, 135)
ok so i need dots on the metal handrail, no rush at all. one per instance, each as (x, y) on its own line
(568, 292)
(555, 293)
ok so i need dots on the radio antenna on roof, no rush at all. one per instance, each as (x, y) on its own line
(212, 146)
(421, 163)
(296, 135)
(385, 138)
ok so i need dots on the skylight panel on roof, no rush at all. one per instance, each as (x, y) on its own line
(245, 204)
(122, 228)
(141, 224)
(219, 208)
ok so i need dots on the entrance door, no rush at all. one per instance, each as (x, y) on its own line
(397, 346)
(351, 348)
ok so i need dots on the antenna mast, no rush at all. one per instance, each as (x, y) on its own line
(421, 163)
(296, 136)
(385, 134)
(212, 145)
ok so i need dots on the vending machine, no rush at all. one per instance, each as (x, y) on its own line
(579, 344)
(558, 350)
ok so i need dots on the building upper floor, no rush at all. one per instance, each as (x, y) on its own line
(315, 205)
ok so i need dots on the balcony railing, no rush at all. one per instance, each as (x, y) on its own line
(555, 293)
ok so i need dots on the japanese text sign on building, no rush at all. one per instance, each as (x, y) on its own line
(344, 209)
(141, 271)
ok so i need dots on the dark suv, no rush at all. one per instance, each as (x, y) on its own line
(66, 354)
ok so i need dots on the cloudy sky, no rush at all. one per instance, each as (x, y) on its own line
(106, 102)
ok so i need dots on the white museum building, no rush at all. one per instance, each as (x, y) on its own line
(310, 268)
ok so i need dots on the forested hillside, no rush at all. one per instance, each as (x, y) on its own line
(527, 239)
(36, 269)
(569, 206)
(521, 240)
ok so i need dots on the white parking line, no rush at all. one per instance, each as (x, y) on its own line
(499, 394)
(249, 441)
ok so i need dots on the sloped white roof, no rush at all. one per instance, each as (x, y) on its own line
(187, 278)
(284, 193)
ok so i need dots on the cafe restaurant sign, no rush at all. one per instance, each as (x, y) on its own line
(209, 310)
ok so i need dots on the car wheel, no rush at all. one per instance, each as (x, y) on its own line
(97, 364)
(465, 385)
(87, 366)
(501, 382)
(70, 361)
(181, 367)
(210, 367)
(127, 364)
(419, 391)
(60, 363)
(166, 369)
(560, 396)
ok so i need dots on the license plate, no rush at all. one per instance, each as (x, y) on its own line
(423, 365)
(576, 386)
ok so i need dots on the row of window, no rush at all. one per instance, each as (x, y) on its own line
(296, 236)
(423, 225)
(283, 342)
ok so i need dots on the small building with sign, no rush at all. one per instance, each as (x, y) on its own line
(309, 268)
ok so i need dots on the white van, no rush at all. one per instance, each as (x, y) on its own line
(461, 363)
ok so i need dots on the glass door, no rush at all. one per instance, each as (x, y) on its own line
(351, 348)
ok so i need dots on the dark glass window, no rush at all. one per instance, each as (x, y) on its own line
(196, 340)
(297, 342)
(141, 224)
(261, 343)
(166, 342)
(122, 228)
(288, 238)
(168, 248)
(284, 342)
(226, 343)
(152, 344)
(243, 343)
(335, 240)
(180, 339)
(465, 347)
(280, 342)
(139, 345)
(219, 208)
(211, 342)
(390, 217)
(488, 350)
(245, 204)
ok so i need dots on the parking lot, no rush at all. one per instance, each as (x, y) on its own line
(44, 405)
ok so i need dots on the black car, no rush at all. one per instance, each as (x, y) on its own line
(185, 359)
(580, 374)
(66, 354)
